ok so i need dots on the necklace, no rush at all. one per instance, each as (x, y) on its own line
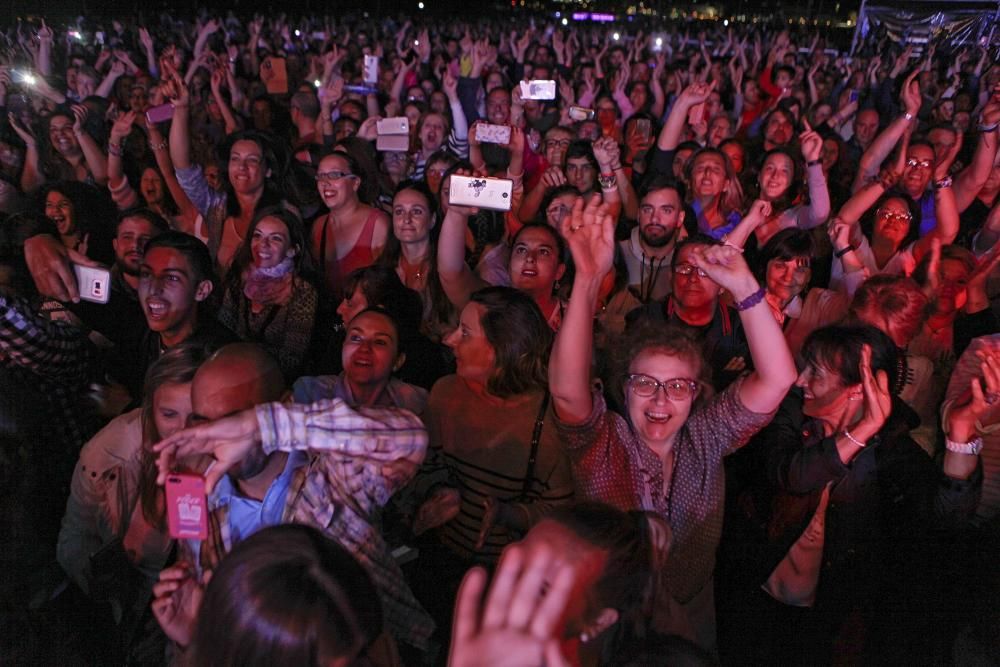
(413, 274)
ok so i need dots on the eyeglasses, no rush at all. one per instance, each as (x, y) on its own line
(920, 164)
(557, 211)
(677, 389)
(558, 143)
(328, 176)
(894, 217)
(689, 269)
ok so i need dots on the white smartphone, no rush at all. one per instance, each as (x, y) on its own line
(487, 133)
(491, 193)
(93, 284)
(395, 125)
(371, 69)
(538, 89)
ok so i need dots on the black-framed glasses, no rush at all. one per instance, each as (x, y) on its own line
(328, 176)
(687, 270)
(676, 389)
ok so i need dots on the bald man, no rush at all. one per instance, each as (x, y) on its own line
(321, 464)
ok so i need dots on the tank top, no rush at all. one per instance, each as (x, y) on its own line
(361, 255)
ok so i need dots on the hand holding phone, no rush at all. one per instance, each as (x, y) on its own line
(93, 284)
(187, 506)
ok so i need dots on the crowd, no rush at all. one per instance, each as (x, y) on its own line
(720, 385)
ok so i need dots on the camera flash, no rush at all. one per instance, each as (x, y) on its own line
(420, 5)
(29, 79)
(659, 41)
(298, 33)
(317, 83)
(565, 21)
(616, 36)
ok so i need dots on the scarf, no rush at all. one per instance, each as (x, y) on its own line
(271, 286)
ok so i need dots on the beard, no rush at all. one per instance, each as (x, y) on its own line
(658, 241)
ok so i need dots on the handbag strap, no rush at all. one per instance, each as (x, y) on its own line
(536, 436)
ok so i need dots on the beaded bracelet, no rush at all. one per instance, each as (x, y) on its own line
(115, 150)
(750, 301)
(158, 146)
(847, 434)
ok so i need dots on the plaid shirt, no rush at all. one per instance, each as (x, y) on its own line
(358, 460)
(54, 358)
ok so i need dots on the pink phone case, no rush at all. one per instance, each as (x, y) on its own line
(159, 114)
(187, 506)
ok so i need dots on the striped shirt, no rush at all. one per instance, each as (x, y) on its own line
(481, 447)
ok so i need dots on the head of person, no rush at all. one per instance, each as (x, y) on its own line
(783, 264)
(690, 287)
(176, 275)
(153, 190)
(344, 127)
(607, 113)
(708, 172)
(166, 408)
(502, 342)
(287, 595)
(639, 95)
(262, 113)
(918, 169)
(275, 243)
(537, 260)
(414, 213)
(720, 128)
(498, 106)
(751, 90)
(304, 107)
(136, 227)
(60, 134)
(371, 351)
(558, 203)
(942, 138)
(251, 161)
(338, 180)
(831, 377)
(432, 130)
(615, 556)
(661, 214)
(437, 166)
(237, 377)
(893, 221)
(866, 124)
(63, 208)
(661, 376)
(894, 304)
(556, 143)
(397, 165)
(366, 288)
(779, 178)
(734, 151)
(779, 128)
(956, 267)
(819, 114)
(832, 153)
(581, 166)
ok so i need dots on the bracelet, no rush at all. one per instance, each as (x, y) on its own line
(988, 128)
(725, 242)
(813, 163)
(840, 253)
(158, 146)
(608, 182)
(847, 434)
(972, 447)
(908, 116)
(750, 301)
(943, 183)
(114, 150)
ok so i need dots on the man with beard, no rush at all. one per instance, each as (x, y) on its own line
(650, 247)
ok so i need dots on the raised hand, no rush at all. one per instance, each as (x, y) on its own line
(553, 177)
(909, 95)
(607, 152)
(517, 624)
(727, 268)
(877, 398)
(590, 233)
(810, 143)
(122, 127)
(177, 598)
(25, 132)
(229, 441)
(145, 39)
(80, 113)
(983, 402)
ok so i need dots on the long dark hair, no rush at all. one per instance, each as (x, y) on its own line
(794, 189)
(302, 262)
(272, 194)
(520, 337)
(287, 595)
(439, 307)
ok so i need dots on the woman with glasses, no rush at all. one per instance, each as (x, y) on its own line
(351, 234)
(889, 241)
(665, 454)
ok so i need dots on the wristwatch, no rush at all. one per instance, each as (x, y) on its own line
(943, 183)
(609, 182)
(972, 447)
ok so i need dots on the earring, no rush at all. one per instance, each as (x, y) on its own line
(584, 637)
(556, 285)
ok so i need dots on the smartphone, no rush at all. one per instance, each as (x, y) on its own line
(538, 89)
(160, 113)
(853, 97)
(487, 133)
(187, 506)
(394, 125)
(93, 284)
(371, 69)
(581, 113)
(277, 84)
(491, 193)
(643, 128)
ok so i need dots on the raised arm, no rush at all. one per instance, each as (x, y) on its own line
(180, 142)
(763, 390)
(228, 117)
(590, 233)
(457, 279)
(158, 145)
(32, 177)
(97, 163)
(819, 195)
(880, 148)
(670, 135)
(945, 209)
(123, 194)
(971, 180)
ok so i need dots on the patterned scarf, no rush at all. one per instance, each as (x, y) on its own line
(272, 286)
